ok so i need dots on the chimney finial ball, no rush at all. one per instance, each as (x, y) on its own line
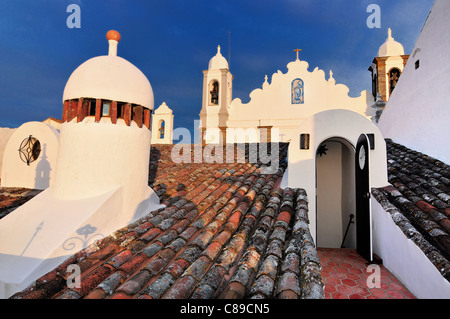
(113, 35)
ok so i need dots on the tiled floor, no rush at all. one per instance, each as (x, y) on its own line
(345, 274)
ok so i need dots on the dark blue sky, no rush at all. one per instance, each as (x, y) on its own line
(171, 41)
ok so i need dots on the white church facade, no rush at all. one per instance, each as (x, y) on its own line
(274, 111)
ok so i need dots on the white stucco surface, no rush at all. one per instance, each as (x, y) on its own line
(41, 172)
(97, 157)
(5, 133)
(391, 47)
(417, 113)
(218, 61)
(110, 77)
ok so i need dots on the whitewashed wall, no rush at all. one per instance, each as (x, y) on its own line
(96, 157)
(5, 133)
(39, 174)
(417, 114)
(272, 105)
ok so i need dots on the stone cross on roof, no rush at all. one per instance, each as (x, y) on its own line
(297, 50)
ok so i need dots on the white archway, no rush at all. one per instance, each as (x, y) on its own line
(335, 193)
(322, 126)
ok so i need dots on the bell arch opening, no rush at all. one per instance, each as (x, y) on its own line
(214, 92)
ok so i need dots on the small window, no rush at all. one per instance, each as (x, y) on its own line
(105, 108)
(371, 138)
(304, 141)
(92, 104)
(417, 64)
(120, 107)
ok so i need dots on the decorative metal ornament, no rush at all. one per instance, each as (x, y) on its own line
(322, 150)
(89, 236)
(29, 150)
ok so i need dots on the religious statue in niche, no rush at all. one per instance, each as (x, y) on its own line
(215, 93)
(394, 75)
(297, 92)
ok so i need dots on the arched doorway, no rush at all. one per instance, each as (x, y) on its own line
(345, 127)
(335, 193)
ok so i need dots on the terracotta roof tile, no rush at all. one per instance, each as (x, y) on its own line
(13, 197)
(181, 289)
(134, 284)
(159, 286)
(418, 201)
(110, 284)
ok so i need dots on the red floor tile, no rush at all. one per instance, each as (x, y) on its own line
(345, 277)
(338, 295)
(396, 294)
(349, 282)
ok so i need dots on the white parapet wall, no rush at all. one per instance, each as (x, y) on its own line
(39, 173)
(45, 231)
(402, 257)
(5, 133)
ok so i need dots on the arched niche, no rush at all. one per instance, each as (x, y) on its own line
(394, 75)
(162, 129)
(214, 92)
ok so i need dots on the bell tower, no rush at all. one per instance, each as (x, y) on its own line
(387, 67)
(216, 99)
